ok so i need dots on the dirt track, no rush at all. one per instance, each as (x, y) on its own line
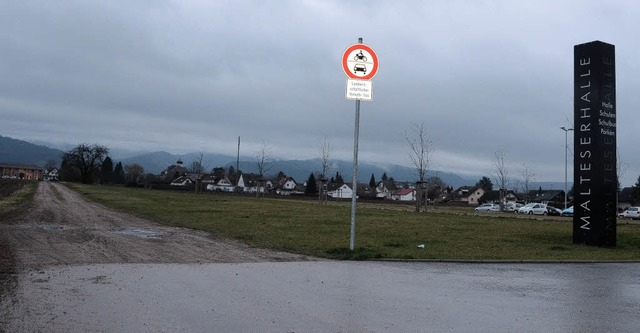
(62, 228)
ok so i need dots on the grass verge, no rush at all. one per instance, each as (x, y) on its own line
(15, 194)
(323, 230)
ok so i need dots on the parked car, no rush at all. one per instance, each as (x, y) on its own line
(553, 211)
(488, 207)
(631, 213)
(512, 207)
(533, 208)
(568, 211)
(622, 214)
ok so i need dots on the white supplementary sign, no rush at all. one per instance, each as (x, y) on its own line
(359, 90)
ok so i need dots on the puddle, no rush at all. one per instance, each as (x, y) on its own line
(52, 227)
(139, 233)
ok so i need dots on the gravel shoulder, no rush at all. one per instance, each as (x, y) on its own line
(63, 228)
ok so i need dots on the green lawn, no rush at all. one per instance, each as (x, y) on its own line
(323, 230)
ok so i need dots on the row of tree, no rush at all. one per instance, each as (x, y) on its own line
(89, 164)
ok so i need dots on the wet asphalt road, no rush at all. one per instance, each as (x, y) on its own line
(329, 297)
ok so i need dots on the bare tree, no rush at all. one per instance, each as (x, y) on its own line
(327, 163)
(435, 188)
(133, 174)
(198, 166)
(86, 160)
(262, 159)
(263, 164)
(621, 169)
(198, 169)
(501, 174)
(528, 176)
(50, 165)
(325, 157)
(420, 150)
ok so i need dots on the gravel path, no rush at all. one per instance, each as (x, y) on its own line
(62, 228)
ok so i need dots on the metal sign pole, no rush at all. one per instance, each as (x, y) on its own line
(354, 183)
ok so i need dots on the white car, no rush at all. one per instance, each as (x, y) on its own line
(488, 207)
(513, 207)
(533, 208)
(631, 213)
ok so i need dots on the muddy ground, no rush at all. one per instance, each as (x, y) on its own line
(60, 227)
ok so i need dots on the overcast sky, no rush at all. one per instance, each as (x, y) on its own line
(190, 76)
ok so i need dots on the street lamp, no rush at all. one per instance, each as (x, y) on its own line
(566, 149)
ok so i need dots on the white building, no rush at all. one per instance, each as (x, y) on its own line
(342, 192)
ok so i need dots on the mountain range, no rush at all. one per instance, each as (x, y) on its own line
(155, 162)
(18, 151)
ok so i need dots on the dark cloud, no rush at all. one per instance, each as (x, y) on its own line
(192, 76)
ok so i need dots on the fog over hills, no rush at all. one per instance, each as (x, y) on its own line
(18, 151)
(300, 169)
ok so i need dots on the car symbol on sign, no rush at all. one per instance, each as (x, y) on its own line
(359, 68)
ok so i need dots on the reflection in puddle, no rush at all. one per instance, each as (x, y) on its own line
(139, 233)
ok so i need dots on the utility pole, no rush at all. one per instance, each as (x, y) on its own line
(238, 157)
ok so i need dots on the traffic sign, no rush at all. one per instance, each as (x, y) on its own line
(359, 90)
(359, 61)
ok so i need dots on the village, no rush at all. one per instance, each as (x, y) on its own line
(180, 177)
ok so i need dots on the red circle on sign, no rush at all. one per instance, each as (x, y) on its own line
(374, 62)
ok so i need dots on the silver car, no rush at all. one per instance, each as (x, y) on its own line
(488, 207)
(533, 208)
(632, 213)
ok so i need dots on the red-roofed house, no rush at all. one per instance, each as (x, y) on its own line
(404, 194)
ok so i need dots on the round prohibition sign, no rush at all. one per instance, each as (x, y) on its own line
(359, 61)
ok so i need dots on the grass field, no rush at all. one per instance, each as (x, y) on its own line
(323, 230)
(15, 193)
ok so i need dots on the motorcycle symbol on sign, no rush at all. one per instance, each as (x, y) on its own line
(360, 57)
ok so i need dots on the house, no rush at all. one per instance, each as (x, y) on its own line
(218, 184)
(386, 189)
(183, 181)
(342, 191)
(467, 194)
(288, 186)
(405, 194)
(438, 192)
(493, 196)
(284, 184)
(20, 171)
(366, 191)
(174, 171)
(51, 175)
(544, 196)
(251, 183)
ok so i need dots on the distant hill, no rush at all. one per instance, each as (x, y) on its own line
(18, 151)
(156, 162)
(298, 169)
